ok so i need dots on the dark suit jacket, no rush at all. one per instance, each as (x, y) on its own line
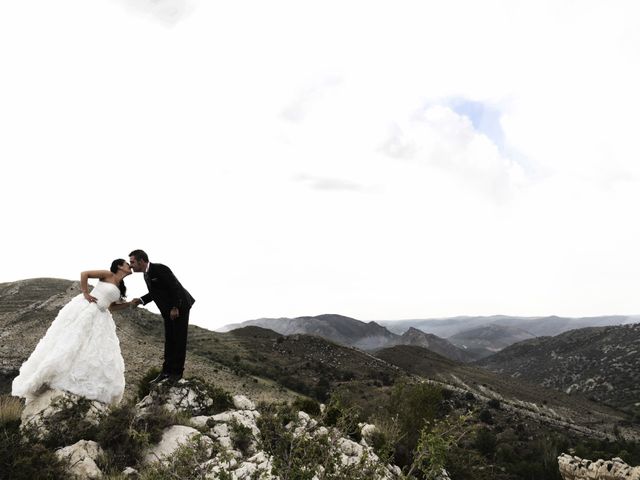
(165, 289)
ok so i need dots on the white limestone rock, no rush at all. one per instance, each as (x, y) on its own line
(81, 459)
(189, 396)
(50, 402)
(240, 402)
(366, 432)
(172, 438)
(576, 468)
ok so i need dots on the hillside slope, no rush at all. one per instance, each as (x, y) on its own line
(600, 362)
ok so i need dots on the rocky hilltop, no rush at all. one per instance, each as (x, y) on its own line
(602, 363)
(440, 346)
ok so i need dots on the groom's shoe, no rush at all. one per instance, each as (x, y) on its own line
(173, 378)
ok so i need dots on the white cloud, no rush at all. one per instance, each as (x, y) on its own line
(440, 137)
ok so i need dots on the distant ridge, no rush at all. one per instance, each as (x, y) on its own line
(355, 333)
(538, 326)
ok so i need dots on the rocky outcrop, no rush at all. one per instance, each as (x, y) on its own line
(227, 444)
(39, 412)
(576, 468)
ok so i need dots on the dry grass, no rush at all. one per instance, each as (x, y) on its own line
(10, 409)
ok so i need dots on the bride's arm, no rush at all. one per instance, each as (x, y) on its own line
(84, 279)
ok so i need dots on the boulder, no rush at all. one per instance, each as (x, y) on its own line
(188, 396)
(81, 459)
(42, 409)
(172, 439)
(240, 402)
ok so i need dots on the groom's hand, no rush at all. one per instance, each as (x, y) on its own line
(174, 313)
(136, 301)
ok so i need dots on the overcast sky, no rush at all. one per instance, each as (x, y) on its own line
(381, 160)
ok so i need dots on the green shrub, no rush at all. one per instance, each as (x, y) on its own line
(485, 442)
(297, 458)
(241, 435)
(385, 437)
(344, 417)
(307, 405)
(21, 459)
(485, 416)
(71, 423)
(414, 406)
(124, 435)
(144, 385)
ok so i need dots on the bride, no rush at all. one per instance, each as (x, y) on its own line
(80, 352)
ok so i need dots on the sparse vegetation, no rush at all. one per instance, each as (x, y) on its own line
(25, 458)
(71, 422)
(10, 409)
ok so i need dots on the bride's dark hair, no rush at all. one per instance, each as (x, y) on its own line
(114, 268)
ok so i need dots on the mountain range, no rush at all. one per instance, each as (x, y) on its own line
(458, 338)
(354, 333)
(534, 326)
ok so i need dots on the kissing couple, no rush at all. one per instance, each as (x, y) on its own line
(80, 352)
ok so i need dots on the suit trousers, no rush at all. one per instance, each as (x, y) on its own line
(175, 342)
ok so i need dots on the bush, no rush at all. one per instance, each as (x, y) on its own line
(144, 385)
(21, 459)
(485, 416)
(343, 417)
(124, 435)
(297, 458)
(414, 406)
(71, 423)
(306, 405)
(241, 435)
(485, 442)
(384, 438)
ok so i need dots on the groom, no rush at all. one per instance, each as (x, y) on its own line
(174, 303)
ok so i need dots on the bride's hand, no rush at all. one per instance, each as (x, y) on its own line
(90, 298)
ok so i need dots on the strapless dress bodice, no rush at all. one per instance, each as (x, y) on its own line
(106, 293)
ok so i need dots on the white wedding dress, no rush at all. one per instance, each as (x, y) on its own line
(80, 352)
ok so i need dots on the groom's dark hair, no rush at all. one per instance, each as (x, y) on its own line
(140, 255)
